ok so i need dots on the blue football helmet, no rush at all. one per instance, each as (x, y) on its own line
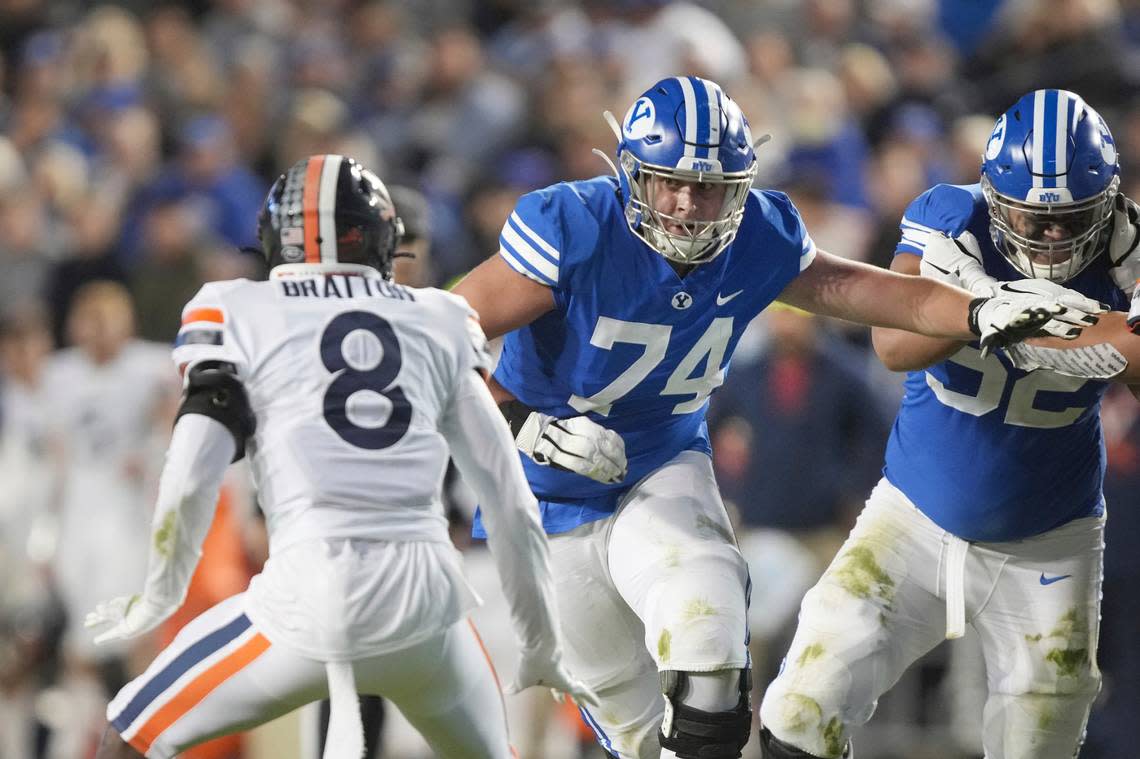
(1050, 174)
(685, 129)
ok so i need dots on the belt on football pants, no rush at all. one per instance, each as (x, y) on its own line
(955, 575)
(346, 731)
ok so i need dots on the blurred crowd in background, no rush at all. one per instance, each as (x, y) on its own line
(137, 140)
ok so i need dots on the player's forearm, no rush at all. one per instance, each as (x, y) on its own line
(858, 292)
(485, 454)
(1111, 328)
(902, 351)
(200, 451)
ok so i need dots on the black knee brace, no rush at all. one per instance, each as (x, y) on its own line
(695, 734)
(772, 747)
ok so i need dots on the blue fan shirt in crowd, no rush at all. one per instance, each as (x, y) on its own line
(630, 342)
(987, 451)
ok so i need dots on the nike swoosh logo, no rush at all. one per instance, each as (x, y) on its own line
(722, 299)
(1010, 288)
(1050, 580)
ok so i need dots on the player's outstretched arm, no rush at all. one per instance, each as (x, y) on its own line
(200, 450)
(1110, 350)
(504, 299)
(903, 351)
(485, 454)
(857, 292)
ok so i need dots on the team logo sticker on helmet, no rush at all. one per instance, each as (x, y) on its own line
(640, 119)
(997, 139)
(1107, 145)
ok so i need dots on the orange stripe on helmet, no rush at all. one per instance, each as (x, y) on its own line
(196, 690)
(311, 203)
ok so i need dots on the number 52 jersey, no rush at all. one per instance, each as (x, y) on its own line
(348, 375)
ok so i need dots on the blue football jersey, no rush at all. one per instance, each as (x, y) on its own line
(629, 342)
(987, 451)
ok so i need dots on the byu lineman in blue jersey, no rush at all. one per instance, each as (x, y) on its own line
(990, 511)
(622, 300)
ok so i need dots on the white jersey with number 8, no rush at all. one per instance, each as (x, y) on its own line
(347, 365)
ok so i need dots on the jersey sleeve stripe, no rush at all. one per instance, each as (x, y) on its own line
(522, 250)
(311, 201)
(910, 224)
(807, 253)
(915, 238)
(199, 337)
(523, 268)
(551, 252)
(204, 315)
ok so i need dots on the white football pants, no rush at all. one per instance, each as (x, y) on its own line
(882, 604)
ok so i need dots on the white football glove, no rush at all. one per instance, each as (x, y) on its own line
(1012, 316)
(577, 444)
(1080, 311)
(956, 261)
(544, 668)
(1122, 244)
(126, 617)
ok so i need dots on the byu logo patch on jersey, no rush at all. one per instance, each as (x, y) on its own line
(682, 300)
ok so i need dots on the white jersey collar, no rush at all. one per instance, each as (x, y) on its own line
(287, 271)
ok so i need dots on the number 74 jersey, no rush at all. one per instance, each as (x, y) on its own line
(629, 342)
(348, 376)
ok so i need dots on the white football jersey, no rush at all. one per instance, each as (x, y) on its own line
(348, 375)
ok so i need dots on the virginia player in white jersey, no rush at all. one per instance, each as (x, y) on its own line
(622, 300)
(990, 511)
(348, 392)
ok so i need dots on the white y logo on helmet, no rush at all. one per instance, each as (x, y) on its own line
(1107, 146)
(640, 119)
(997, 139)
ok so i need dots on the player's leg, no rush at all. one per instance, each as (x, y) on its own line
(674, 559)
(871, 615)
(1039, 634)
(219, 675)
(315, 727)
(603, 645)
(447, 688)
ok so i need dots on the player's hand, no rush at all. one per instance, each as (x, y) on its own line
(125, 617)
(1078, 307)
(1010, 317)
(956, 261)
(577, 444)
(1123, 242)
(545, 669)
(1134, 312)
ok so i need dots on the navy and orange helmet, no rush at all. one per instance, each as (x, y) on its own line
(328, 209)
